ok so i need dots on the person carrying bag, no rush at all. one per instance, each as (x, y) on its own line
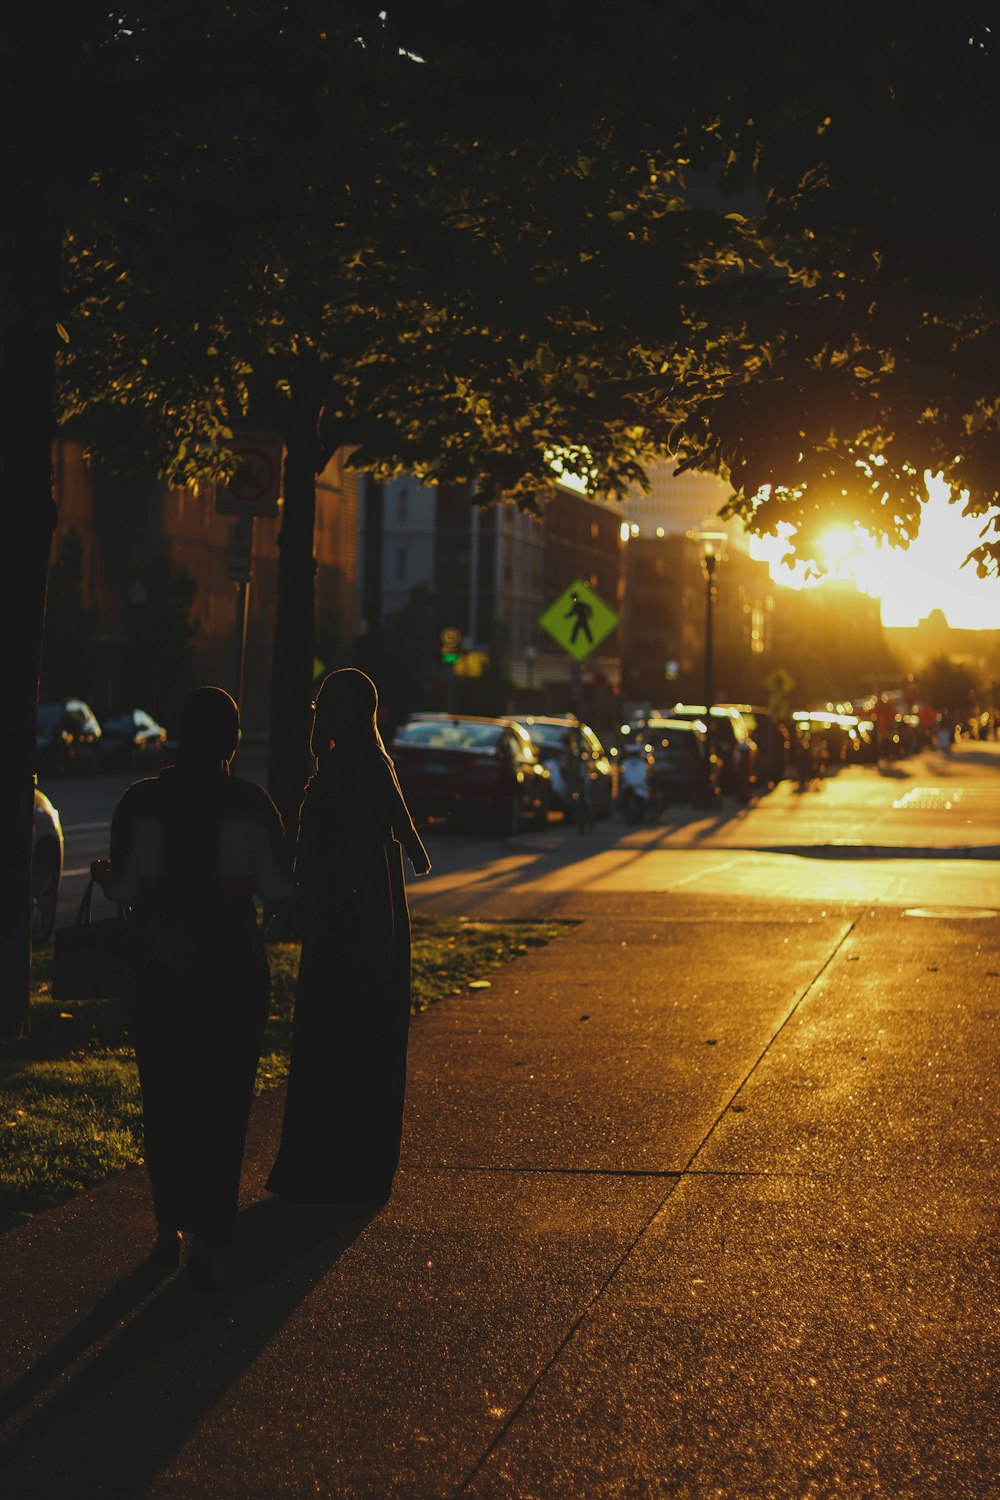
(90, 960)
(191, 849)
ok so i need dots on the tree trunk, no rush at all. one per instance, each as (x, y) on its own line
(289, 761)
(27, 431)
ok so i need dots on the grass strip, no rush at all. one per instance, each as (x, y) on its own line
(70, 1109)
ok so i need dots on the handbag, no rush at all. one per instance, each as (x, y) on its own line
(89, 959)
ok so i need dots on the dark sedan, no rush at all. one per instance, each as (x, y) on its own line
(572, 750)
(133, 741)
(472, 769)
(684, 767)
(732, 740)
(772, 740)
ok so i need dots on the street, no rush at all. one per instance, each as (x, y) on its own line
(919, 832)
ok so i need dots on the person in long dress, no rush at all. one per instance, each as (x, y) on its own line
(343, 1117)
(190, 850)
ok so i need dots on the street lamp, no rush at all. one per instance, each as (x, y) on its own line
(711, 541)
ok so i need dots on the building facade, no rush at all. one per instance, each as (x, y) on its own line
(130, 528)
(665, 625)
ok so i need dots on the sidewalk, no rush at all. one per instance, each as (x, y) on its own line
(698, 1200)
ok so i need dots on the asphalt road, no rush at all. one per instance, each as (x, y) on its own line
(926, 829)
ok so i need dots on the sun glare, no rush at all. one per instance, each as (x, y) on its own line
(838, 544)
(928, 575)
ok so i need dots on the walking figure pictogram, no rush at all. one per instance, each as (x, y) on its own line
(579, 612)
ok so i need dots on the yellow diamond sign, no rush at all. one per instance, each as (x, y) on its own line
(579, 620)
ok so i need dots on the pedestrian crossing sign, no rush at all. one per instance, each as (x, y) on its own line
(579, 620)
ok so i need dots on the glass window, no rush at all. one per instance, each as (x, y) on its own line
(547, 734)
(447, 735)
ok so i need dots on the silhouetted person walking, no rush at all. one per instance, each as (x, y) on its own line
(343, 1116)
(190, 849)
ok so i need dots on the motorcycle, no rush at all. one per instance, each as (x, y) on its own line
(637, 800)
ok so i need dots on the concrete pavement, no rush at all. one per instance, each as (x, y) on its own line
(698, 1200)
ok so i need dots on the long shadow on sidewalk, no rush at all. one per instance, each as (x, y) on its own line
(129, 1384)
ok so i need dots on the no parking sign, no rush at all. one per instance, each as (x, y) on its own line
(256, 486)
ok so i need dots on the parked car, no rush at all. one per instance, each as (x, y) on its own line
(732, 740)
(835, 738)
(67, 737)
(47, 854)
(133, 741)
(686, 768)
(772, 740)
(810, 746)
(568, 747)
(467, 767)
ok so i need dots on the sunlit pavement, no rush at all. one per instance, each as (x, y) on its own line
(699, 1200)
(921, 832)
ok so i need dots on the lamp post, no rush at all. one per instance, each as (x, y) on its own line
(711, 541)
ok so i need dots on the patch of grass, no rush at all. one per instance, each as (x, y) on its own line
(450, 953)
(75, 1121)
(70, 1108)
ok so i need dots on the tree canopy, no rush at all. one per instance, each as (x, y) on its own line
(431, 256)
(486, 249)
(861, 337)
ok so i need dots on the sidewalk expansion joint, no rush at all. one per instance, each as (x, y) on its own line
(547, 1364)
(676, 1174)
(796, 1004)
(673, 1177)
(527, 1170)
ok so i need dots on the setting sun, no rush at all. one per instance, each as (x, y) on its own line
(928, 575)
(838, 544)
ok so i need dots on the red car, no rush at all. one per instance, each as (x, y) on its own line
(468, 768)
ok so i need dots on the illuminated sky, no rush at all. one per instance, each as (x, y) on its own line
(928, 575)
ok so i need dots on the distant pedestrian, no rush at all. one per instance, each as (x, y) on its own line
(884, 717)
(927, 716)
(343, 1117)
(190, 849)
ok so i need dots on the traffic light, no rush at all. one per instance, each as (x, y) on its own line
(451, 642)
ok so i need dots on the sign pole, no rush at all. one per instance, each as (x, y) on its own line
(576, 689)
(242, 614)
(240, 568)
